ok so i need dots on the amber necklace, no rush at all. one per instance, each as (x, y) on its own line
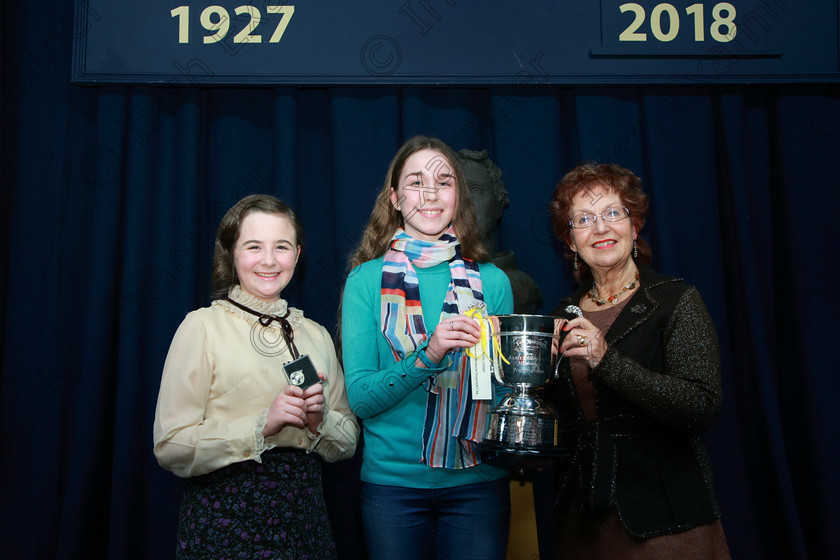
(593, 292)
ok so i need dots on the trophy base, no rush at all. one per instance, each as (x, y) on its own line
(522, 461)
(542, 451)
(528, 431)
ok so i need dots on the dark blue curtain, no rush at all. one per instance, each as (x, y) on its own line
(111, 196)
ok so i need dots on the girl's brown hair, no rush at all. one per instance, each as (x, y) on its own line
(385, 219)
(224, 270)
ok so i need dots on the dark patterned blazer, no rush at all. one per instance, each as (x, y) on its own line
(656, 390)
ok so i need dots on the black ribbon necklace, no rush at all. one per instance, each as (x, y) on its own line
(265, 320)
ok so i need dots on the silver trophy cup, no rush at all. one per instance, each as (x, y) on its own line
(522, 422)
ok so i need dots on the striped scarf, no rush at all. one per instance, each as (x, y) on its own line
(454, 421)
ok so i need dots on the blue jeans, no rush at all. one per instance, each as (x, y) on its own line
(463, 522)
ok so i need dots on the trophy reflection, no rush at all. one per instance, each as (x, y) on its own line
(522, 423)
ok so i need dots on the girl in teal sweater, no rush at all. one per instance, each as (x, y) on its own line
(418, 270)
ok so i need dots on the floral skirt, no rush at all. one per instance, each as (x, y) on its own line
(274, 509)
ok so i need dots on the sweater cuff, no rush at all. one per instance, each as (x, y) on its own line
(612, 369)
(428, 362)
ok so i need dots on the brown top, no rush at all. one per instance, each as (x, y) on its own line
(603, 319)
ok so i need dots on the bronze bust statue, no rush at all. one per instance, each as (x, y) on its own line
(489, 197)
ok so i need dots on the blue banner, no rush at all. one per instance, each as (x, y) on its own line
(454, 42)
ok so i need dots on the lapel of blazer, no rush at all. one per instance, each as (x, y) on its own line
(638, 310)
(640, 307)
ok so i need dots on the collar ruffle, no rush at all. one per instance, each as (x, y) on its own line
(277, 308)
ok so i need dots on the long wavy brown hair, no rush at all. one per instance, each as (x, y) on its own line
(385, 219)
(611, 177)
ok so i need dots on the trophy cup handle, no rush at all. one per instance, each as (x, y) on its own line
(496, 369)
(572, 311)
(494, 343)
(555, 346)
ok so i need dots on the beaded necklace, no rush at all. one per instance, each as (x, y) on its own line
(593, 292)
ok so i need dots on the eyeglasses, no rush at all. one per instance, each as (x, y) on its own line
(587, 219)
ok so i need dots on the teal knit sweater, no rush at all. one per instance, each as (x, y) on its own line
(388, 396)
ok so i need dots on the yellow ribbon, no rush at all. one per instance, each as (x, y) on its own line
(486, 326)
